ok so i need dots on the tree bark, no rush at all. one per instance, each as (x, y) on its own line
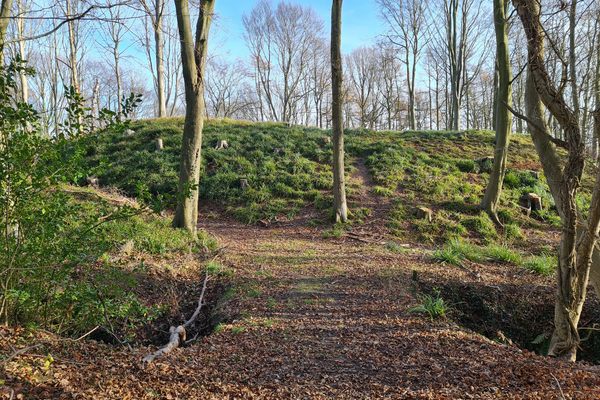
(5, 10)
(193, 57)
(160, 65)
(578, 238)
(503, 117)
(339, 186)
(22, 55)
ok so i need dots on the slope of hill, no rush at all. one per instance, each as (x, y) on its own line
(420, 296)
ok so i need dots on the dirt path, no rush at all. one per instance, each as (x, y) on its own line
(318, 318)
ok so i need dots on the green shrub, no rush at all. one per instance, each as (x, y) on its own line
(518, 179)
(53, 268)
(466, 166)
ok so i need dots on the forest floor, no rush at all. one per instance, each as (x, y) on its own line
(312, 318)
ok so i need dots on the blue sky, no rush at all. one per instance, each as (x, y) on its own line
(360, 25)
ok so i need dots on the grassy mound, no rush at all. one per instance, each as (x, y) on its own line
(439, 170)
(284, 168)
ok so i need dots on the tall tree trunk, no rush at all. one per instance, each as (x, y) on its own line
(503, 117)
(193, 57)
(496, 83)
(5, 10)
(118, 78)
(578, 238)
(160, 64)
(339, 186)
(22, 55)
(72, 49)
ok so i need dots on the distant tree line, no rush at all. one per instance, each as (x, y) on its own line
(433, 68)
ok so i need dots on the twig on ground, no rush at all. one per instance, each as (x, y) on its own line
(19, 352)
(562, 395)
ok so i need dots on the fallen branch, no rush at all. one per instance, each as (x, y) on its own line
(178, 333)
(19, 352)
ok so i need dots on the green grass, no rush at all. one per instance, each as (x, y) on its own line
(543, 265)
(285, 168)
(154, 235)
(502, 254)
(288, 169)
(432, 305)
(456, 251)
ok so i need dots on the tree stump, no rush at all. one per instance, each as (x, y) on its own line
(92, 181)
(424, 213)
(531, 202)
(244, 184)
(485, 164)
(221, 144)
(129, 132)
(534, 174)
(159, 144)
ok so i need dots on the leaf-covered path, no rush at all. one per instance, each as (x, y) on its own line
(314, 318)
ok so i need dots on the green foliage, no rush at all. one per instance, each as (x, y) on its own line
(543, 264)
(336, 231)
(502, 254)
(432, 305)
(456, 251)
(151, 234)
(395, 247)
(482, 225)
(518, 179)
(512, 231)
(466, 166)
(383, 191)
(54, 269)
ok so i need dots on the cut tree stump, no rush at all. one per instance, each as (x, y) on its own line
(93, 181)
(531, 202)
(221, 144)
(424, 213)
(159, 144)
(485, 164)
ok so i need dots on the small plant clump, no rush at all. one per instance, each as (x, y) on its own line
(433, 305)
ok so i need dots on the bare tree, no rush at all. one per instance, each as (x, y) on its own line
(193, 58)
(155, 10)
(115, 30)
(406, 23)
(281, 40)
(225, 89)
